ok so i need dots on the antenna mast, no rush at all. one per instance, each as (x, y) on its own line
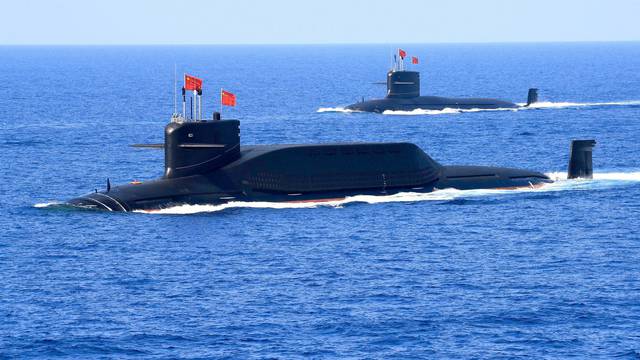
(184, 104)
(175, 90)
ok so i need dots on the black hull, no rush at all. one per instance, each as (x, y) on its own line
(403, 94)
(204, 164)
(237, 182)
(429, 103)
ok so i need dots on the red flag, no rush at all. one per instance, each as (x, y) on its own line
(414, 60)
(227, 98)
(402, 53)
(192, 83)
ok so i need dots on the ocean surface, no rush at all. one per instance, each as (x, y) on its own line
(546, 273)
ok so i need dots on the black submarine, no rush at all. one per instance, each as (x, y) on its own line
(403, 94)
(206, 164)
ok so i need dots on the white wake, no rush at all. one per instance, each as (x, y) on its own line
(600, 181)
(559, 105)
(445, 111)
(47, 204)
(336, 109)
(441, 195)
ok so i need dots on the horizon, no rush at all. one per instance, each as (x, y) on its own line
(332, 44)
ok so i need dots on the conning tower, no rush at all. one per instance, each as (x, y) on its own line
(197, 147)
(403, 84)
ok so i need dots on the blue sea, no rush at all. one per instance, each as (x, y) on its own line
(546, 273)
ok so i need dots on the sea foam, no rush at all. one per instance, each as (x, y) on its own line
(447, 111)
(599, 181)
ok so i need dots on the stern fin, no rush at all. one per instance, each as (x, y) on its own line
(532, 97)
(580, 160)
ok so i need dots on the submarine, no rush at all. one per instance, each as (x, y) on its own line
(204, 163)
(403, 94)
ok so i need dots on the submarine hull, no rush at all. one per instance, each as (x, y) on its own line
(403, 94)
(309, 173)
(429, 103)
(204, 164)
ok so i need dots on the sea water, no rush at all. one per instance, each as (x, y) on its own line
(546, 273)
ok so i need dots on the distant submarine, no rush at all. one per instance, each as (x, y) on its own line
(205, 164)
(403, 94)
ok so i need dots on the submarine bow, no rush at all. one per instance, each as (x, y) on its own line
(204, 163)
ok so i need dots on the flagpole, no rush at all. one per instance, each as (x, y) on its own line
(184, 103)
(184, 99)
(175, 90)
(221, 102)
(194, 104)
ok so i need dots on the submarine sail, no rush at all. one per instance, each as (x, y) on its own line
(403, 94)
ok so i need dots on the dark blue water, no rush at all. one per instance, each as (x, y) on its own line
(542, 274)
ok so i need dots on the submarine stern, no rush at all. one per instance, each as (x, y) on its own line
(488, 177)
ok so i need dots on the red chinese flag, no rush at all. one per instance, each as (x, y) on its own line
(414, 60)
(402, 53)
(192, 82)
(228, 98)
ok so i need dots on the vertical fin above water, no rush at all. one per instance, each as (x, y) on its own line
(532, 97)
(580, 159)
